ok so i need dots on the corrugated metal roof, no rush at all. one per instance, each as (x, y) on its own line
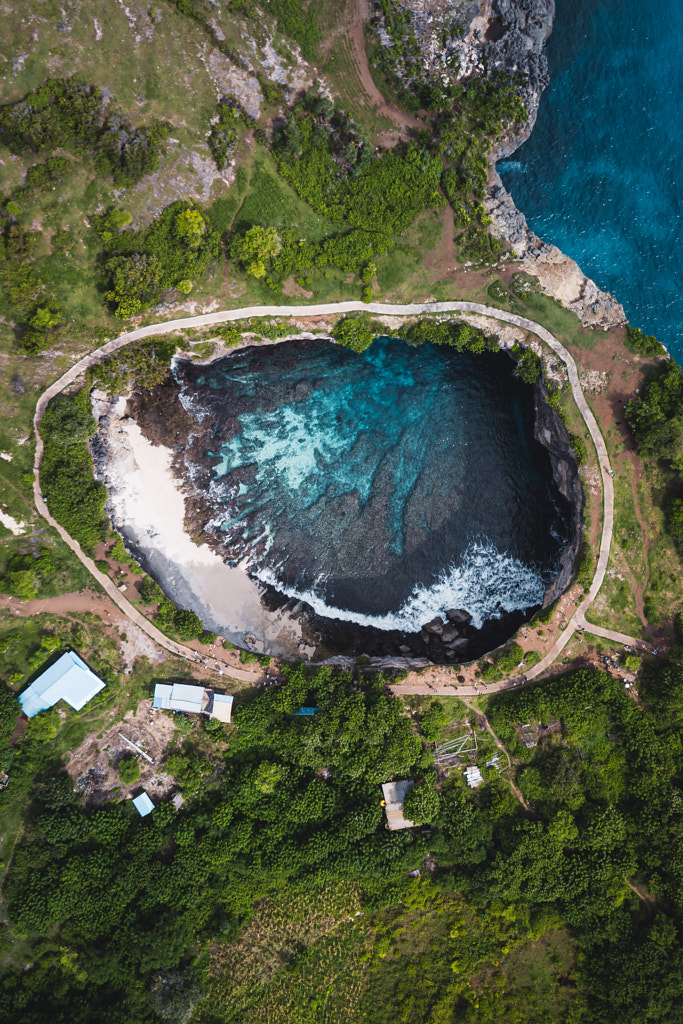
(186, 694)
(69, 679)
(179, 697)
(143, 804)
(221, 707)
(162, 695)
(394, 795)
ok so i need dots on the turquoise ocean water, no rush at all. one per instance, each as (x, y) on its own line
(381, 488)
(601, 175)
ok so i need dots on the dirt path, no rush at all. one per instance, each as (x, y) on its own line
(358, 15)
(649, 901)
(515, 789)
(578, 619)
(137, 644)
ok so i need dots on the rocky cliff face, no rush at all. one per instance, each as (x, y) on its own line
(552, 433)
(558, 275)
(522, 27)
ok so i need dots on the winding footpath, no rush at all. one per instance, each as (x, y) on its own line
(578, 620)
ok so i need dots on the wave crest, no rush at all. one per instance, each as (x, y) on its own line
(486, 583)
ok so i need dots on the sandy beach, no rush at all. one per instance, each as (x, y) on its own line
(147, 507)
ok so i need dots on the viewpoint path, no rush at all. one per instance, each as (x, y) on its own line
(578, 620)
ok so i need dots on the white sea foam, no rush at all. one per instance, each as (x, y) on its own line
(486, 583)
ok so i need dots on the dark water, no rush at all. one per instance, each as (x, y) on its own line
(381, 488)
(601, 175)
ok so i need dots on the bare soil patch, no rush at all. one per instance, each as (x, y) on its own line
(356, 15)
(92, 766)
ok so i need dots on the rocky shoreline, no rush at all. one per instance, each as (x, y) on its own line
(527, 24)
(164, 421)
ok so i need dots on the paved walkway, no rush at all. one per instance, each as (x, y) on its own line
(578, 620)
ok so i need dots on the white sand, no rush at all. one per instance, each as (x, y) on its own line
(147, 506)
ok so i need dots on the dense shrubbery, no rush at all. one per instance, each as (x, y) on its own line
(141, 265)
(643, 344)
(462, 337)
(130, 897)
(68, 113)
(150, 591)
(421, 805)
(657, 415)
(224, 134)
(185, 624)
(356, 332)
(74, 497)
(529, 365)
(26, 575)
(281, 254)
(129, 769)
(326, 159)
(504, 661)
(142, 364)
(62, 112)
(35, 310)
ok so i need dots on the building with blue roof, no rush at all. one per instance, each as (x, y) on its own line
(68, 679)
(143, 804)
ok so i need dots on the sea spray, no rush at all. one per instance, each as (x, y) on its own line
(486, 584)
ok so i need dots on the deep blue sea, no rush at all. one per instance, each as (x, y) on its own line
(382, 488)
(600, 175)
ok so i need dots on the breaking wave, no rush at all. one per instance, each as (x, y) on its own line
(486, 583)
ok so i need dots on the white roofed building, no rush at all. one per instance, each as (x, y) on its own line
(68, 678)
(193, 699)
(394, 795)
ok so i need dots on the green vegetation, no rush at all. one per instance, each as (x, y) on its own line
(269, 821)
(74, 497)
(462, 337)
(503, 661)
(642, 344)
(68, 113)
(244, 906)
(323, 155)
(140, 365)
(529, 365)
(36, 311)
(224, 134)
(656, 417)
(356, 332)
(129, 769)
(421, 805)
(41, 572)
(141, 265)
(285, 855)
(185, 624)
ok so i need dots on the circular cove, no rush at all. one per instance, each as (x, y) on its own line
(373, 493)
